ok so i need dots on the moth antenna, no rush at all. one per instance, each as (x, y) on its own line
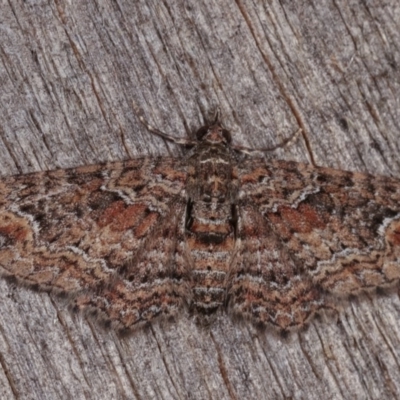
(286, 142)
(152, 129)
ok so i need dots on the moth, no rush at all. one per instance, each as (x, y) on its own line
(221, 229)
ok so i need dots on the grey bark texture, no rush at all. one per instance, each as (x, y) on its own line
(69, 72)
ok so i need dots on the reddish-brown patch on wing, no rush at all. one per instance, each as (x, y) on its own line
(254, 176)
(15, 231)
(146, 225)
(302, 219)
(120, 216)
(393, 233)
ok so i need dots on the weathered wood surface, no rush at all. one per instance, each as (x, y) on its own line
(68, 73)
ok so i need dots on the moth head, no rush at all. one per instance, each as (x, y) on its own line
(214, 134)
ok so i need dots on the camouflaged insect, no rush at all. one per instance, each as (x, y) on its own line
(271, 241)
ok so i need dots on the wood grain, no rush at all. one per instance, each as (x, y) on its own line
(69, 72)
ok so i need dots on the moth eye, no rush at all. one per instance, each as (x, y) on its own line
(202, 132)
(227, 135)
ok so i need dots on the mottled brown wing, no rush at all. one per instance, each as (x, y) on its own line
(75, 230)
(152, 284)
(268, 284)
(307, 232)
